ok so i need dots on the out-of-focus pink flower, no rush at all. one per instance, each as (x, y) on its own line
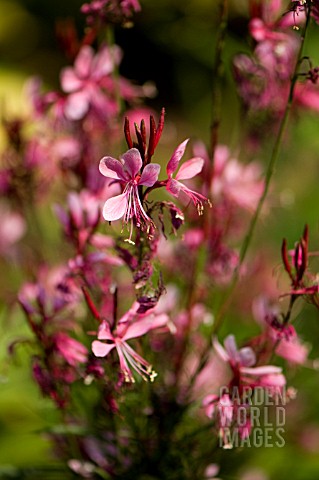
(224, 410)
(211, 471)
(129, 326)
(188, 170)
(237, 183)
(83, 83)
(293, 350)
(136, 115)
(127, 171)
(66, 151)
(53, 291)
(307, 95)
(12, 228)
(81, 218)
(263, 80)
(110, 11)
(222, 263)
(194, 237)
(273, 22)
(242, 362)
(70, 349)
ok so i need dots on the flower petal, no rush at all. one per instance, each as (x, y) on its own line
(231, 348)
(104, 332)
(150, 174)
(105, 60)
(273, 381)
(247, 357)
(132, 162)
(175, 158)
(221, 352)
(112, 168)
(190, 169)
(140, 327)
(115, 207)
(77, 105)
(101, 349)
(83, 61)
(262, 370)
(69, 81)
(173, 187)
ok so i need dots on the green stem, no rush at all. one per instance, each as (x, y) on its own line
(110, 40)
(247, 241)
(268, 177)
(218, 73)
(274, 155)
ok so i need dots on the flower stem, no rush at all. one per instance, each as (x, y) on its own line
(247, 241)
(275, 153)
(268, 177)
(218, 72)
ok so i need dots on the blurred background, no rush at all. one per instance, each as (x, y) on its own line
(172, 44)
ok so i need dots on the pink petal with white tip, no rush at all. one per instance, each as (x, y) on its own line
(115, 207)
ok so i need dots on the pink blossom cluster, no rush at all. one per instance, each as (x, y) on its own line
(263, 79)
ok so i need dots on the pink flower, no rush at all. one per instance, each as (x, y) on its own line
(12, 228)
(127, 171)
(106, 11)
(237, 183)
(188, 170)
(224, 410)
(128, 327)
(84, 82)
(81, 218)
(70, 349)
(293, 350)
(241, 362)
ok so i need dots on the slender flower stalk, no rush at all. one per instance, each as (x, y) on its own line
(269, 174)
(275, 151)
(268, 177)
(218, 73)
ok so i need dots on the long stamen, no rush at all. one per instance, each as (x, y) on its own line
(128, 377)
(140, 365)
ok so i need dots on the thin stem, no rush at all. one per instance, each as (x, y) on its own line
(218, 73)
(274, 155)
(247, 241)
(268, 177)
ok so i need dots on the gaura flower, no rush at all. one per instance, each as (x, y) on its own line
(242, 363)
(188, 170)
(84, 82)
(70, 349)
(127, 171)
(129, 326)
